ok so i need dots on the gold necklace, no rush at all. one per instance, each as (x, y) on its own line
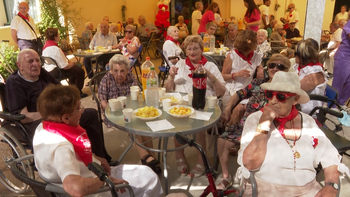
(296, 154)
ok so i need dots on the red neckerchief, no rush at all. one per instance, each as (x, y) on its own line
(293, 113)
(192, 68)
(50, 43)
(22, 16)
(75, 135)
(310, 64)
(248, 59)
(172, 39)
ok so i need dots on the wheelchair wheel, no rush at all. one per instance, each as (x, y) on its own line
(11, 149)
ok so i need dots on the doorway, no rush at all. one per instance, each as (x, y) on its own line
(337, 6)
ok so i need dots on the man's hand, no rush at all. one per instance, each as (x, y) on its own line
(104, 164)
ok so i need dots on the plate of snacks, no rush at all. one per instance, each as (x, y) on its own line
(175, 98)
(103, 50)
(89, 51)
(180, 111)
(147, 113)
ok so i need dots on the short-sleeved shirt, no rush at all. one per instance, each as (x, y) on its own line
(135, 42)
(23, 30)
(171, 49)
(143, 30)
(264, 10)
(86, 37)
(255, 16)
(341, 16)
(102, 40)
(57, 54)
(336, 37)
(22, 93)
(292, 34)
(293, 16)
(207, 17)
(263, 48)
(195, 24)
(343, 51)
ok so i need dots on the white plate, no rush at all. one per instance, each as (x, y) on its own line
(169, 95)
(115, 50)
(103, 50)
(151, 118)
(89, 51)
(180, 116)
(208, 53)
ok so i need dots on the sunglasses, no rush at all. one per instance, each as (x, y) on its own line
(279, 66)
(128, 31)
(281, 97)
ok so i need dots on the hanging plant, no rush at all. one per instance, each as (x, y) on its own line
(123, 13)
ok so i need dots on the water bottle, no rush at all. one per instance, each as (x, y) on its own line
(152, 88)
(199, 79)
(145, 68)
(206, 42)
(212, 43)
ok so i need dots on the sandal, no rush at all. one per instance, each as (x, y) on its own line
(182, 167)
(197, 171)
(154, 164)
(225, 183)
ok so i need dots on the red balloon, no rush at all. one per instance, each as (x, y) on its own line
(166, 7)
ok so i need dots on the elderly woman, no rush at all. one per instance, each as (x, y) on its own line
(113, 28)
(130, 44)
(60, 158)
(180, 80)
(86, 36)
(183, 30)
(231, 36)
(230, 139)
(69, 69)
(208, 16)
(171, 47)
(311, 74)
(283, 146)
(115, 83)
(263, 46)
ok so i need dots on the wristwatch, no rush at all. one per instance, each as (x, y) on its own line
(334, 185)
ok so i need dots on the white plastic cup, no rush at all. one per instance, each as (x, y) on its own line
(79, 51)
(134, 88)
(109, 48)
(134, 94)
(161, 92)
(166, 104)
(115, 104)
(190, 97)
(127, 114)
(96, 48)
(212, 101)
(122, 99)
(222, 46)
(91, 47)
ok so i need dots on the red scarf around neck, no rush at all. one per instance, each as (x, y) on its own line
(192, 68)
(75, 135)
(248, 59)
(22, 16)
(50, 43)
(310, 64)
(173, 40)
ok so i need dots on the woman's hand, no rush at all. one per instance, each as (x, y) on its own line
(104, 164)
(173, 71)
(243, 73)
(225, 116)
(119, 181)
(269, 114)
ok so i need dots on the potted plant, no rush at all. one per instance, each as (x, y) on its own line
(8, 58)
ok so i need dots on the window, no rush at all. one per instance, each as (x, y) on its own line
(11, 9)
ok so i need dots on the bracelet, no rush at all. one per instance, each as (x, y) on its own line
(232, 75)
(262, 129)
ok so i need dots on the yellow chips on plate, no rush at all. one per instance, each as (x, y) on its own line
(147, 112)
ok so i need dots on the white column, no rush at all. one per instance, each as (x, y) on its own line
(314, 19)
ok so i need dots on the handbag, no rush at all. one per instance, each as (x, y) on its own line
(39, 43)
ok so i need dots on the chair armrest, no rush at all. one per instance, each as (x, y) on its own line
(14, 117)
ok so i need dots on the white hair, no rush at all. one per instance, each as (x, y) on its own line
(171, 29)
(264, 31)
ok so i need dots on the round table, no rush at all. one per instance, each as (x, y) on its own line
(139, 127)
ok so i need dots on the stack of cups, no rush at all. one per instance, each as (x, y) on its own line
(190, 97)
(212, 101)
(134, 91)
(161, 92)
(116, 104)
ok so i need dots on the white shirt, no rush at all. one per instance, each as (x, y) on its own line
(23, 30)
(336, 37)
(264, 10)
(293, 16)
(57, 54)
(102, 41)
(171, 49)
(341, 16)
(196, 15)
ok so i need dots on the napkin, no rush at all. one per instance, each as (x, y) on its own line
(160, 125)
(185, 98)
(201, 115)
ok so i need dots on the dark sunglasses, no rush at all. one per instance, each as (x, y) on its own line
(282, 97)
(279, 66)
(128, 31)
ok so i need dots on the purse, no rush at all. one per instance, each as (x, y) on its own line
(39, 43)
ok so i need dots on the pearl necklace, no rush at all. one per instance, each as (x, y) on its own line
(296, 154)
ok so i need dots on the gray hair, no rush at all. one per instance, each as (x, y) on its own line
(23, 52)
(119, 59)
(132, 27)
(210, 24)
(171, 29)
(87, 24)
(233, 25)
(198, 4)
(142, 17)
(131, 18)
(342, 22)
(278, 26)
(264, 31)
(112, 26)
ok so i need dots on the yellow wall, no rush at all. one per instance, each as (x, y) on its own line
(5, 34)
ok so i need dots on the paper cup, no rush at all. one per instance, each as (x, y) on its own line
(78, 51)
(115, 104)
(127, 114)
(91, 47)
(122, 99)
(134, 94)
(212, 101)
(109, 48)
(190, 97)
(166, 104)
(96, 48)
(161, 92)
(134, 88)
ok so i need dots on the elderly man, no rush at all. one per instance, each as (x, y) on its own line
(102, 38)
(28, 82)
(231, 36)
(264, 11)
(22, 29)
(277, 37)
(292, 32)
(263, 46)
(145, 30)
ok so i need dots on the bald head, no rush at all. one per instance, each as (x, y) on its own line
(104, 27)
(23, 8)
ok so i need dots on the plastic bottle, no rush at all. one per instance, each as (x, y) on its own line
(145, 68)
(212, 43)
(199, 78)
(206, 42)
(240, 24)
(152, 88)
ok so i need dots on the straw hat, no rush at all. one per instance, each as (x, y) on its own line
(287, 82)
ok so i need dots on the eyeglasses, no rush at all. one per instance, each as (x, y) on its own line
(282, 97)
(279, 66)
(193, 49)
(128, 31)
